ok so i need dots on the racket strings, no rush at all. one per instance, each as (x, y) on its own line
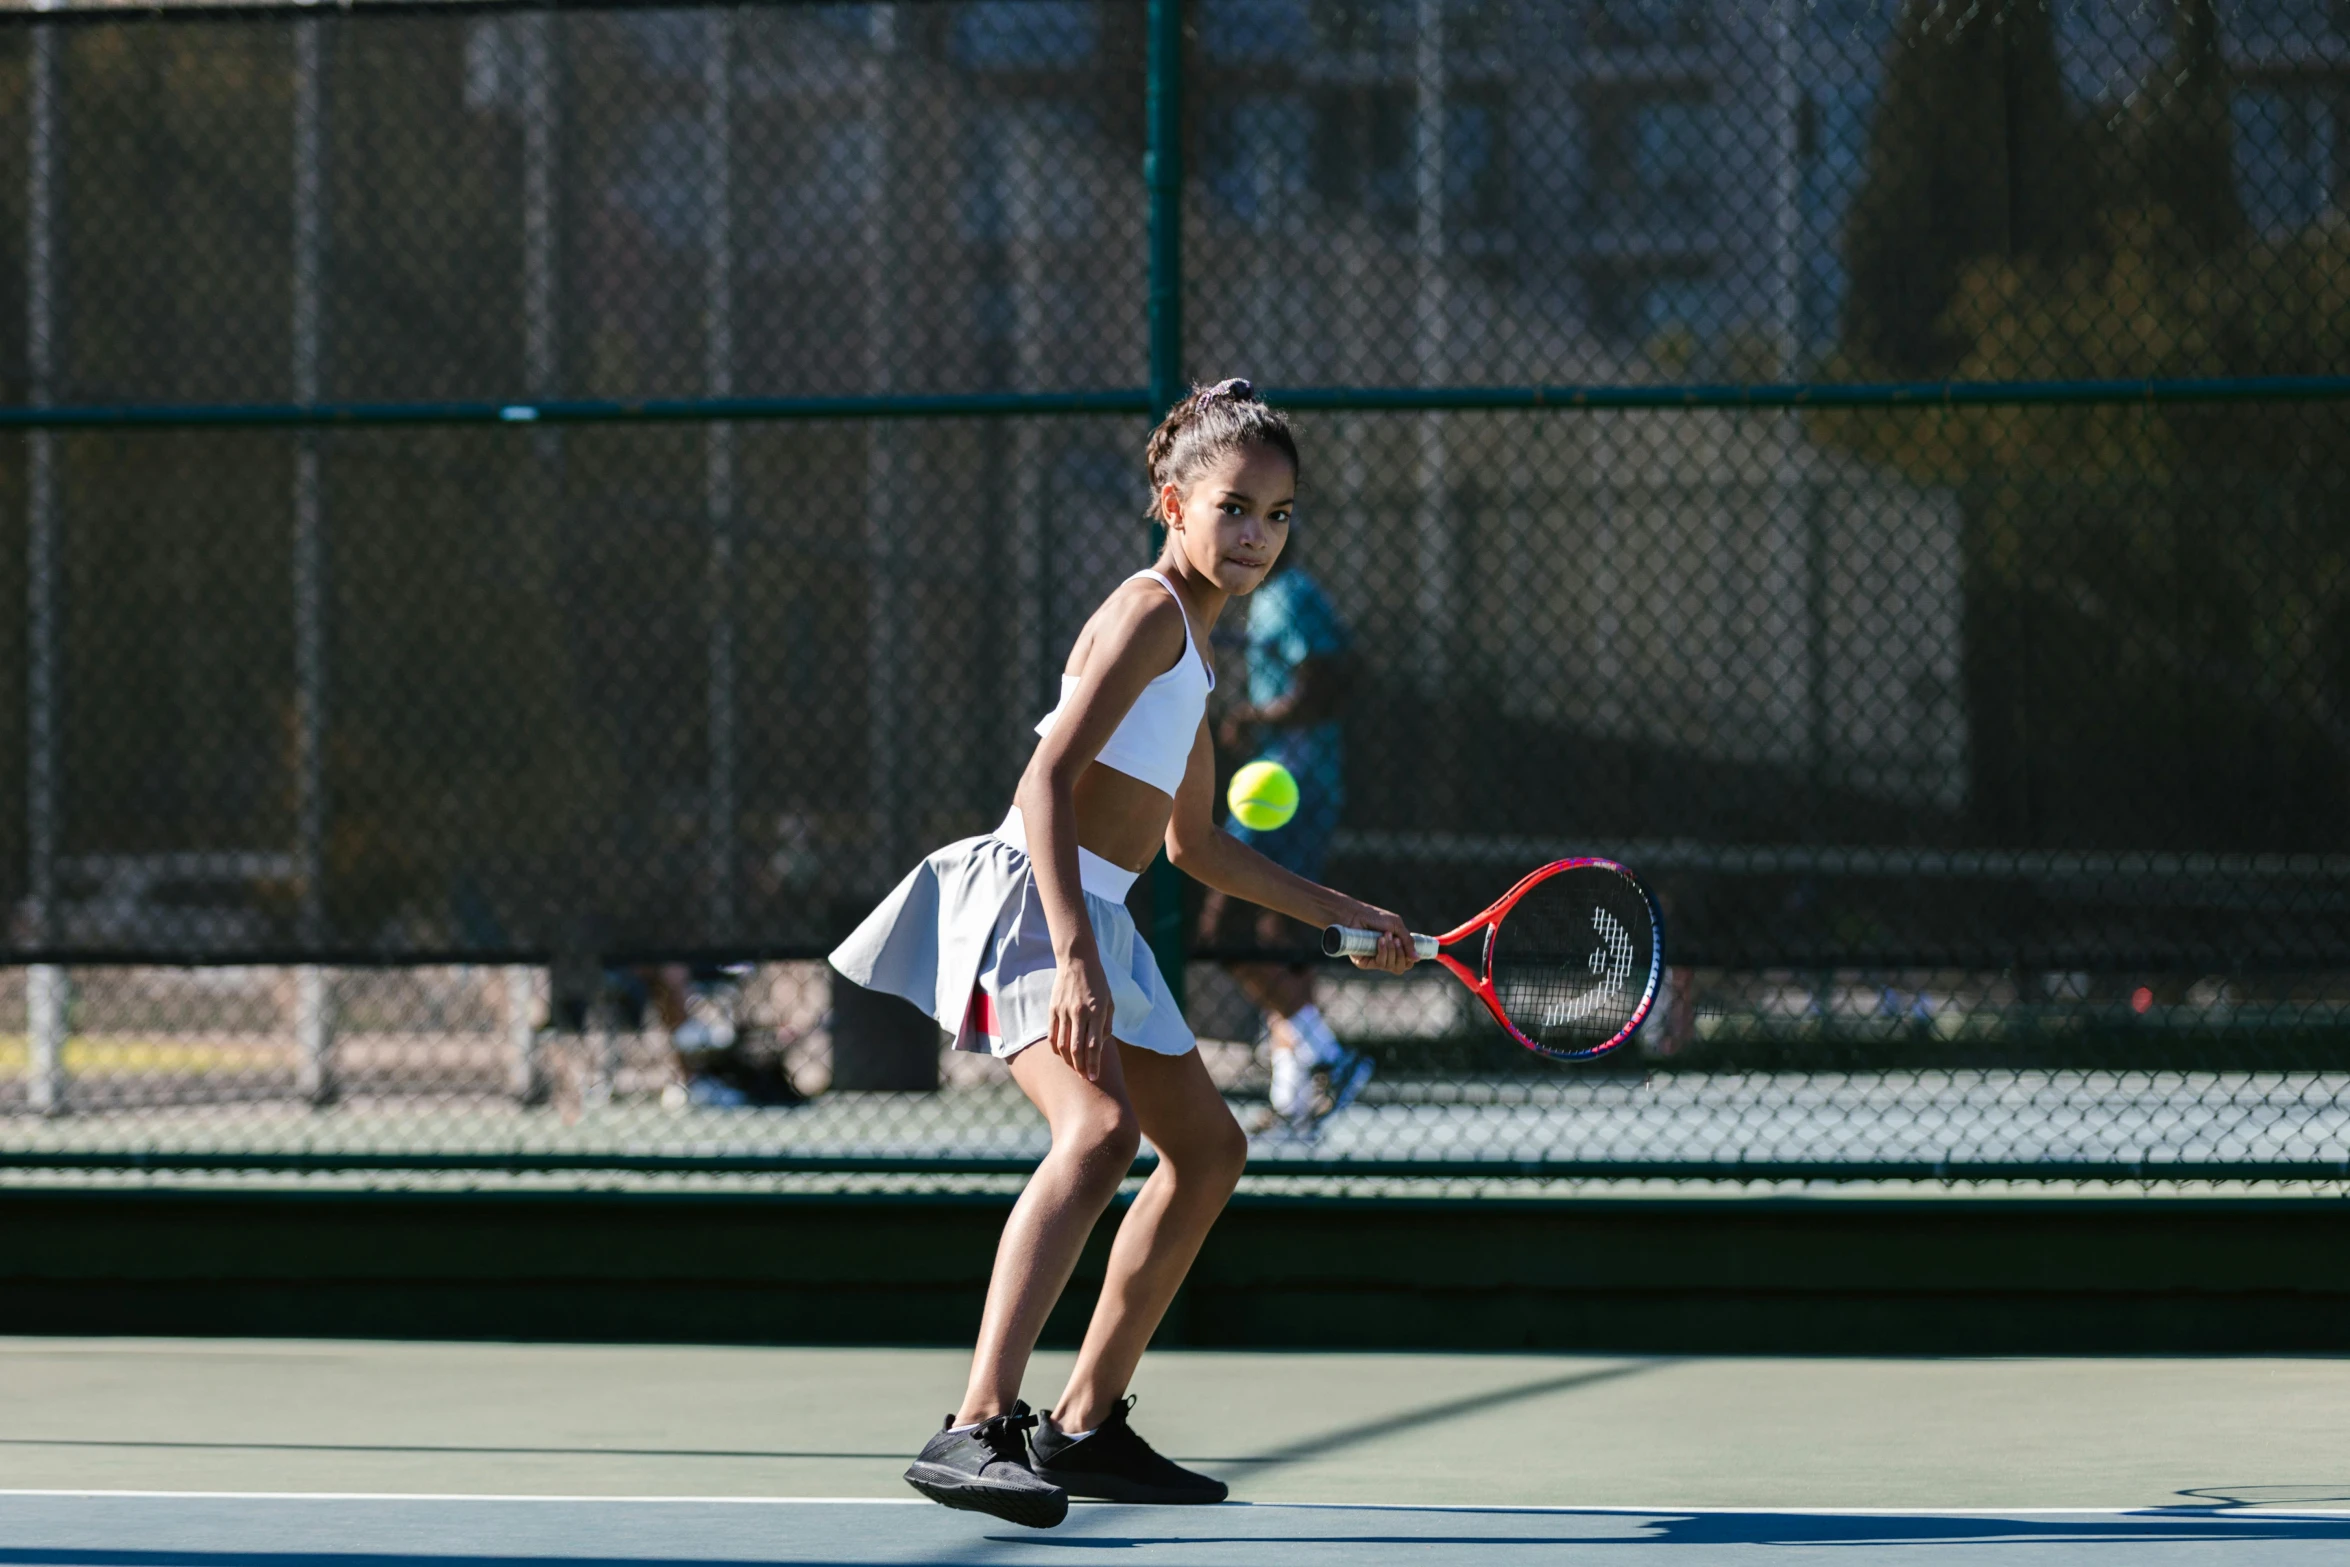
(1573, 958)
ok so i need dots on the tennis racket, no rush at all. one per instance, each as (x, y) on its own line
(1567, 961)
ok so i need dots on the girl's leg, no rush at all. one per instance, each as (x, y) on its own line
(1095, 1134)
(1201, 1150)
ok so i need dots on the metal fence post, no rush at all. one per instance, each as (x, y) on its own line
(536, 51)
(539, 107)
(518, 1002)
(1796, 679)
(45, 997)
(884, 457)
(1163, 176)
(313, 1008)
(718, 462)
(1433, 534)
(519, 999)
(1024, 160)
(45, 983)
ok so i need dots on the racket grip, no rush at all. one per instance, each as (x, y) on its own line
(1350, 941)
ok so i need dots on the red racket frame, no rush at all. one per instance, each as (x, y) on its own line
(1481, 984)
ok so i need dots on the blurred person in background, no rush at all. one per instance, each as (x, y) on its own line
(698, 1008)
(1299, 665)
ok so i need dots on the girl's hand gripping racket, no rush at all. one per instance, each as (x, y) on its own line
(1569, 962)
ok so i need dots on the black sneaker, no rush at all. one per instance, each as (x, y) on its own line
(1111, 1464)
(985, 1470)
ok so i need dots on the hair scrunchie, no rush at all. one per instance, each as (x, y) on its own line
(1237, 388)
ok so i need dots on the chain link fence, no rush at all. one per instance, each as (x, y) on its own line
(529, 520)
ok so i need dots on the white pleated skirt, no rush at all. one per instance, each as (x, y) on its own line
(964, 938)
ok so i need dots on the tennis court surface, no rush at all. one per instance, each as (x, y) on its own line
(161, 1453)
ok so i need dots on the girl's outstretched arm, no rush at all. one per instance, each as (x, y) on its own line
(1133, 641)
(1207, 853)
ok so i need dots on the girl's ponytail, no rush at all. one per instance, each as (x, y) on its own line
(1213, 422)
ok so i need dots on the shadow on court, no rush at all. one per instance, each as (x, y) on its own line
(1432, 1414)
(2333, 1495)
(2152, 1526)
(1425, 1537)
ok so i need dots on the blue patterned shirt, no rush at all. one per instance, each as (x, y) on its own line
(1289, 621)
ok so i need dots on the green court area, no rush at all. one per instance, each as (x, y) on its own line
(1924, 1435)
(289, 1453)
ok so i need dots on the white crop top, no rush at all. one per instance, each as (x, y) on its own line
(1153, 741)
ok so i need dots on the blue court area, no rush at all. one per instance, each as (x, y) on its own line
(135, 1530)
(327, 1453)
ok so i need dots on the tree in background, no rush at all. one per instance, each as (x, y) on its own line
(1973, 155)
(457, 756)
(2158, 600)
(2181, 141)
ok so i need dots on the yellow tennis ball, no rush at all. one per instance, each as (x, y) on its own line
(1263, 796)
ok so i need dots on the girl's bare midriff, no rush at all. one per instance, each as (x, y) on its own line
(1119, 817)
(1122, 819)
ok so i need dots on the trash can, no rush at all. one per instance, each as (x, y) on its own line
(880, 1042)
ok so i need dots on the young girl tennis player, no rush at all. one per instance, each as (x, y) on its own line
(1022, 939)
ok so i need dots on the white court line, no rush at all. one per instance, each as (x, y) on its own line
(2186, 1509)
(480, 1496)
(1352, 1507)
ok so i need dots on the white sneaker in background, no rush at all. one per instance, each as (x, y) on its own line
(1293, 1084)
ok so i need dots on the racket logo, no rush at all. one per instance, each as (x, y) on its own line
(1559, 981)
(1611, 961)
